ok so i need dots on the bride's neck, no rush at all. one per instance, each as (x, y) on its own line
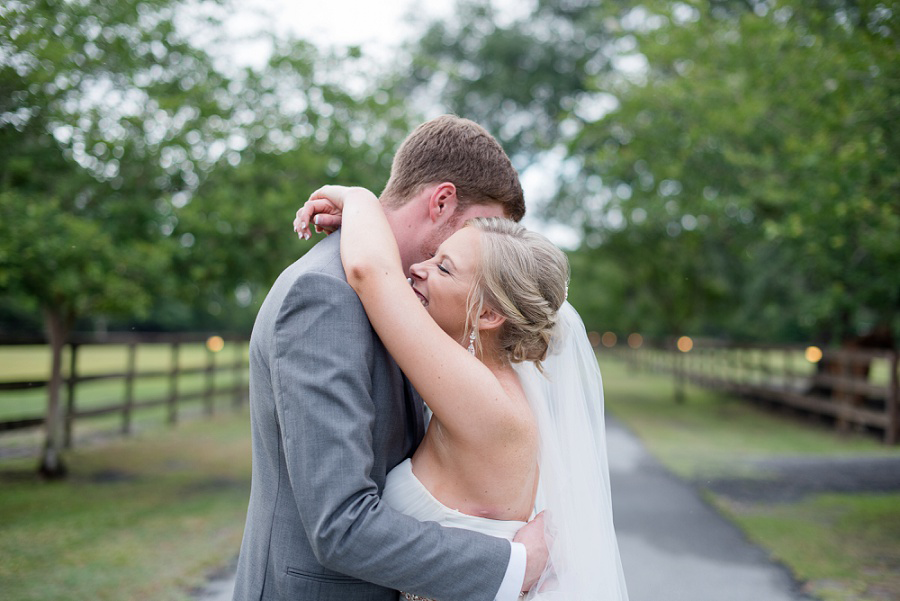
(494, 359)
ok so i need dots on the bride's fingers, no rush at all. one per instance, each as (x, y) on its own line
(314, 208)
(326, 222)
(320, 205)
(300, 221)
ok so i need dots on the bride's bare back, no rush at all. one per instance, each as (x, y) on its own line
(496, 480)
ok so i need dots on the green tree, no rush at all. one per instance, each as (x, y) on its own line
(735, 158)
(104, 109)
(70, 266)
(522, 79)
(768, 135)
(304, 128)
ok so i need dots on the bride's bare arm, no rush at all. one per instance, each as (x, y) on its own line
(463, 393)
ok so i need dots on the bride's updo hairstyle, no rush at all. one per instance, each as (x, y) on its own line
(522, 276)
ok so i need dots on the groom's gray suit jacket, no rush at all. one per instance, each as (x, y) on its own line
(331, 414)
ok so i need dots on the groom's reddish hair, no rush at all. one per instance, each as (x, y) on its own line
(452, 149)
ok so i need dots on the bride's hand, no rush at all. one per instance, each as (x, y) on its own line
(324, 209)
(324, 216)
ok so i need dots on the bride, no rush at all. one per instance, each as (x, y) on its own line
(483, 332)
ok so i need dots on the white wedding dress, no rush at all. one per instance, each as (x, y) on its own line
(567, 401)
(405, 493)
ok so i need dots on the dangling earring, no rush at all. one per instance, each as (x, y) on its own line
(472, 342)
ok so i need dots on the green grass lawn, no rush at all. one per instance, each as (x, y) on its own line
(145, 517)
(148, 517)
(845, 547)
(711, 433)
(140, 518)
(33, 361)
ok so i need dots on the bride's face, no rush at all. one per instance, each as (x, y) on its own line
(442, 283)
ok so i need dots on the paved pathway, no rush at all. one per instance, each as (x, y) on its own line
(218, 589)
(674, 546)
(787, 479)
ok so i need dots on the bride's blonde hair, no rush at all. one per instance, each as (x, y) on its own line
(522, 276)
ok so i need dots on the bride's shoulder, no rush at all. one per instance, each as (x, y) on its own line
(520, 417)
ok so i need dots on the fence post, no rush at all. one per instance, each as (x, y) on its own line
(707, 369)
(173, 384)
(129, 389)
(70, 395)
(757, 367)
(238, 374)
(892, 432)
(788, 370)
(734, 369)
(678, 371)
(210, 380)
(839, 391)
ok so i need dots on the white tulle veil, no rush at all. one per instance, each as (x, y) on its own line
(567, 400)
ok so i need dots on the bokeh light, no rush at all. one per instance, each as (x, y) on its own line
(635, 340)
(594, 338)
(685, 344)
(215, 343)
(609, 339)
(813, 354)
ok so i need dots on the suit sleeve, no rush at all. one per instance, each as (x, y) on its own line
(324, 353)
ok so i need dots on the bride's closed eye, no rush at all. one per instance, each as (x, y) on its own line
(440, 266)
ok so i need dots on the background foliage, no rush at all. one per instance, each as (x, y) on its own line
(730, 166)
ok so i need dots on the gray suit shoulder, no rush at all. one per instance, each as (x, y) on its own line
(324, 258)
(319, 265)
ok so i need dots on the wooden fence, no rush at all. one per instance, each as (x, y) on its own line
(222, 376)
(854, 388)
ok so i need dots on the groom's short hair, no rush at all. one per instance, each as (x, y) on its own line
(452, 149)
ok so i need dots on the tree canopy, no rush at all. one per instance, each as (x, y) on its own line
(187, 170)
(730, 165)
(140, 179)
(755, 162)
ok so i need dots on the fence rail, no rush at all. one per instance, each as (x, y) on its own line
(855, 388)
(220, 377)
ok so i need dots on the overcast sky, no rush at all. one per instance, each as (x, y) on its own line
(377, 27)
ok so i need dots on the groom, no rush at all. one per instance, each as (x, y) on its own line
(331, 413)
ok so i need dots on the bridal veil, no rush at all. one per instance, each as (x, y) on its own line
(574, 490)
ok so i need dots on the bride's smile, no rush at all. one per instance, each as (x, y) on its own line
(443, 282)
(421, 297)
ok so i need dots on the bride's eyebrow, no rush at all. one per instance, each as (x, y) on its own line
(449, 259)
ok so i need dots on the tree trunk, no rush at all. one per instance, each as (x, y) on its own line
(52, 465)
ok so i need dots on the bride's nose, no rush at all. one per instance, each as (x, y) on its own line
(418, 271)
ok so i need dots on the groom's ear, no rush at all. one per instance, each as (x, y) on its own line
(490, 319)
(442, 202)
